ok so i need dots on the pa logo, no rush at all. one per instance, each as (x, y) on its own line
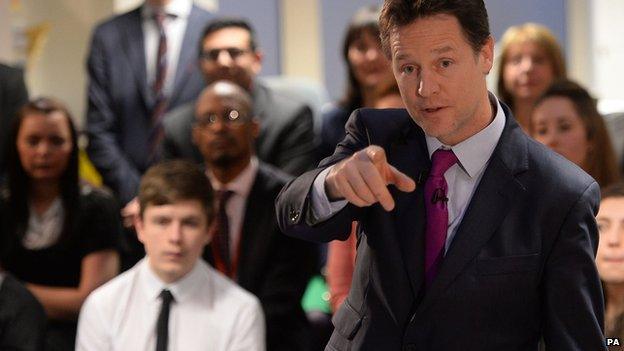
(613, 342)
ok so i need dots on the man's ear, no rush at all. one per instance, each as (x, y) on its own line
(195, 135)
(255, 128)
(139, 226)
(487, 55)
(258, 58)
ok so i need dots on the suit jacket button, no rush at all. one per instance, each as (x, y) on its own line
(410, 347)
(294, 215)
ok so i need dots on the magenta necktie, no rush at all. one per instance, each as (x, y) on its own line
(437, 212)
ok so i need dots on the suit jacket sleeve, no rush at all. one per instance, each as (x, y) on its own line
(294, 211)
(570, 279)
(298, 150)
(104, 150)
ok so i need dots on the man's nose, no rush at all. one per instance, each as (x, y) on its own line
(224, 58)
(428, 85)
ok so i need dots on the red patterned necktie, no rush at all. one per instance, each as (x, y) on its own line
(436, 201)
(221, 238)
(160, 102)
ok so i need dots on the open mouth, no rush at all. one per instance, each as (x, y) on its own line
(430, 110)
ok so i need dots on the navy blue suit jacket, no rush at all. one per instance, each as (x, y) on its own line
(520, 267)
(120, 102)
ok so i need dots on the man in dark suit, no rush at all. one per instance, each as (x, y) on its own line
(494, 248)
(13, 94)
(141, 64)
(247, 243)
(229, 51)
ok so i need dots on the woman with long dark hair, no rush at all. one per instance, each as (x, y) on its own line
(58, 236)
(369, 76)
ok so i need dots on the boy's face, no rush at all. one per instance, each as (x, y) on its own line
(174, 237)
(610, 256)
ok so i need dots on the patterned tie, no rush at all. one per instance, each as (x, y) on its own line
(160, 102)
(222, 231)
(162, 326)
(437, 212)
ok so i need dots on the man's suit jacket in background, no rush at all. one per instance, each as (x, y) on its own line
(286, 138)
(13, 94)
(272, 266)
(520, 267)
(120, 100)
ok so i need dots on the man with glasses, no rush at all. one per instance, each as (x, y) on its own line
(247, 245)
(228, 51)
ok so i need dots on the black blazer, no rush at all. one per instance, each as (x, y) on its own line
(120, 99)
(286, 138)
(521, 265)
(22, 319)
(272, 266)
(13, 95)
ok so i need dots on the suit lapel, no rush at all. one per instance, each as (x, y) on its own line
(409, 155)
(188, 58)
(487, 209)
(134, 49)
(254, 221)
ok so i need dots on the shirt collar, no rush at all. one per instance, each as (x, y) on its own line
(474, 152)
(181, 289)
(177, 8)
(241, 185)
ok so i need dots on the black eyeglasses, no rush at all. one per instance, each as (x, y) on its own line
(213, 54)
(231, 117)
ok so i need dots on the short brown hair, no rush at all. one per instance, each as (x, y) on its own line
(471, 14)
(613, 190)
(601, 162)
(172, 181)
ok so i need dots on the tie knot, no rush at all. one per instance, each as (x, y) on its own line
(441, 161)
(223, 196)
(166, 296)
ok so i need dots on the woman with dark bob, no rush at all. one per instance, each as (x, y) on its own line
(59, 236)
(369, 76)
(566, 120)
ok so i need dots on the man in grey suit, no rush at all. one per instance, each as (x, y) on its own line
(13, 95)
(141, 64)
(230, 52)
(486, 240)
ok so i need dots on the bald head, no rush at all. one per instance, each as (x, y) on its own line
(225, 129)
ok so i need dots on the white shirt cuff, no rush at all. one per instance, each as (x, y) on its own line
(322, 208)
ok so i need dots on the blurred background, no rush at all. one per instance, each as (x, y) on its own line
(301, 39)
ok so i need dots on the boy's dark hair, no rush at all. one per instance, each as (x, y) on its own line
(172, 181)
(471, 15)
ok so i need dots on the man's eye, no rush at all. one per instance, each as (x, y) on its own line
(409, 69)
(445, 63)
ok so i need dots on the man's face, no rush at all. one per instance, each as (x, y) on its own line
(610, 255)
(227, 55)
(224, 131)
(441, 78)
(174, 237)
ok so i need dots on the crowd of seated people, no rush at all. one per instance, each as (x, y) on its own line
(185, 255)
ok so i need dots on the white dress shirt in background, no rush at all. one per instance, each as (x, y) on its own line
(209, 312)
